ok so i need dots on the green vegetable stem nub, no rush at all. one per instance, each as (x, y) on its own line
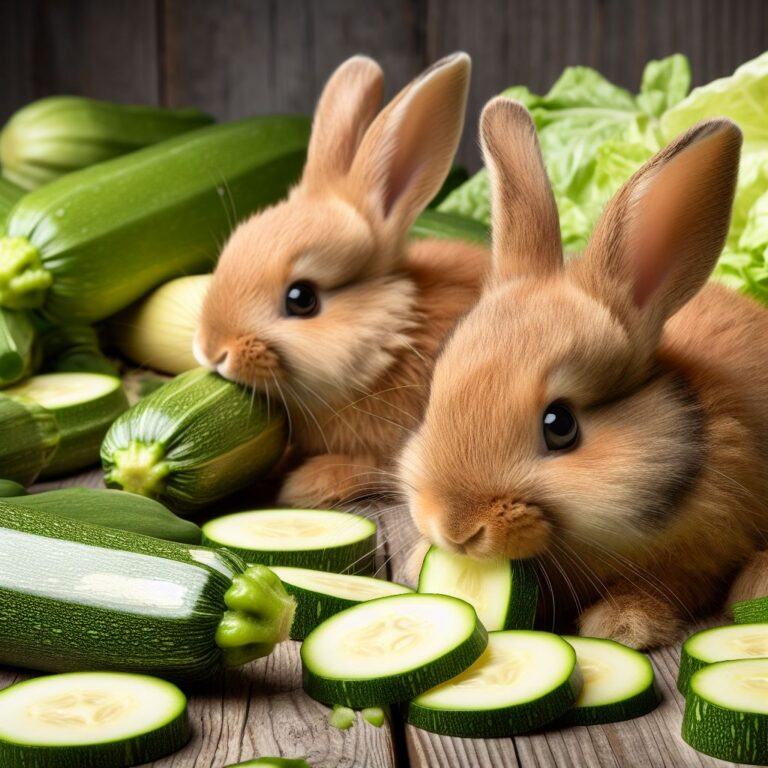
(260, 616)
(24, 280)
(139, 468)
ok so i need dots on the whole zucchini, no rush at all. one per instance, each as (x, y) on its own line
(60, 134)
(72, 349)
(87, 245)
(125, 602)
(29, 439)
(194, 440)
(10, 489)
(9, 195)
(18, 346)
(112, 509)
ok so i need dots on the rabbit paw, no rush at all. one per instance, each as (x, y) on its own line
(328, 480)
(637, 620)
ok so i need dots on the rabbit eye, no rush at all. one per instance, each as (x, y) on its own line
(301, 300)
(561, 430)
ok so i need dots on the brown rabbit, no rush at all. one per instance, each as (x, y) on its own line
(323, 302)
(607, 416)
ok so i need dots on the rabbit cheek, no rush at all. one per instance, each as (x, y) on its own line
(515, 530)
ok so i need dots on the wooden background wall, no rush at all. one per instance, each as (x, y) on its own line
(238, 57)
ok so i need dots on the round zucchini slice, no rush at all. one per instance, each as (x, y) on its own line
(390, 649)
(503, 592)
(323, 540)
(524, 680)
(84, 405)
(726, 711)
(739, 641)
(91, 720)
(320, 594)
(750, 611)
(617, 683)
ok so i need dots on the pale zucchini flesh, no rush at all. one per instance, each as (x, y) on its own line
(91, 720)
(390, 649)
(523, 680)
(323, 540)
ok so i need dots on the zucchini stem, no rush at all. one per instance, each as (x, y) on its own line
(24, 280)
(140, 468)
(260, 616)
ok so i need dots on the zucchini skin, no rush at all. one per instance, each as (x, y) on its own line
(36, 439)
(18, 346)
(751, 611)
(272, 762)
(60, 134)
(9, 195)
(94, 241)
(124, 602)
(193, 441)
(9, 489)
(72, 349)
(113, 509)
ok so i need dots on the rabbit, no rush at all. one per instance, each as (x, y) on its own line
(322, 302)
(605, 416)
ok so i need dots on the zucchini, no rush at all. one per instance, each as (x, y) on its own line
(618, 683)
(503, 592)
(73, 349)
(726, 711)
(9, 489)
(113, 509)
(342, 718)
(77, 596)
(60, 134)
(390, 649)
(10, 194)
(35, 439)
(84, 405)
(192, 441)
(272, 762)
(91, 243)
(449, 226)
(323, 540)
(18, 346)
(374, 716)
(91, 720)
(740, 641)
(751, 611)
(320, 594)
(523, 680)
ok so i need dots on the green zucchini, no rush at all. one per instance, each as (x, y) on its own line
(503, 592)
(726, 711)
(18, 346)
(35, 439)
(91, 243)
(81, 597)
(194, 440)
(9, 489)
(84, 405)
(618, 683)
(113, 509)
(740, 641)
(72, 349)
(320, 539)
(390, 649)
(449, 226)
(524, 680)
(10, 194)
(342, 718)
(272, 762)
(320, 594)
(374, 716)
(91, 720)
(60, 134)
(751, 611)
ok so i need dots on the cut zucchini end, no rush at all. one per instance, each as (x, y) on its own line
(24, 281)
(342, 718)
(140, 468)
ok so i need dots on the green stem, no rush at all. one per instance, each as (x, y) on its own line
(140, 468)
(24, 281)
(260, 616)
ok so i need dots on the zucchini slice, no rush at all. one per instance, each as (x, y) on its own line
(91, 720)
(503, 592)
(524, 680)
(751, 611)
(84, 405)
(272, 762)
(390, 649)
(320, 539)
(740, 641)
(617, 683)
(320, 594)
(726, 711)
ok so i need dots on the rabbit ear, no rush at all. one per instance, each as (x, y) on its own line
(407, 152)
(350, 100)
(659, 238)
(526, 229)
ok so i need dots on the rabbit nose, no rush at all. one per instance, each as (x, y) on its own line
(463, 540)
(209, 358)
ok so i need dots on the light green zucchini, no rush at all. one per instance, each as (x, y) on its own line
(193, 441)
(272, 762)
(60, 134)
(342, 718)
(35, 439)
(91, 720)
(89, 244)
(18, 346)
(10, 194)
(72, 349)
(125, 602)
(320, 539)
(113, 509)
(751, 611)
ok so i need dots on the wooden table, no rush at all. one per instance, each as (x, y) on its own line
(262, 710)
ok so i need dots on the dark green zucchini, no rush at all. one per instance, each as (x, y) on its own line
(35, 439)
(9, 489)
